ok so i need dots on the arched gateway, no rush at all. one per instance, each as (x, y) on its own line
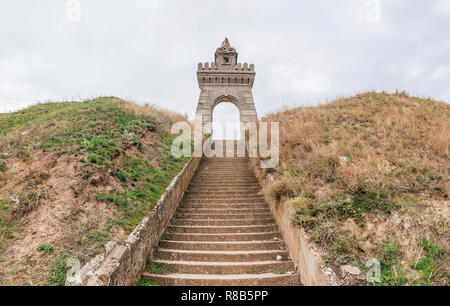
(226, 80)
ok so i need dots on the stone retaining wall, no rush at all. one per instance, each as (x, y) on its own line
(305, 261)
(121, 264)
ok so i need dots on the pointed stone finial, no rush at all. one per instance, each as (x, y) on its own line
(226, 43)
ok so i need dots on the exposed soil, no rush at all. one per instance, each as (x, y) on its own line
(59, 218)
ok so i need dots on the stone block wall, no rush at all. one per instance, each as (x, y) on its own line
(306, 262)
(122, 264)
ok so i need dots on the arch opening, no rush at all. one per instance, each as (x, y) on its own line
(226, 123)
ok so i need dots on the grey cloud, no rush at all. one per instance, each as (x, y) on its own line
(305, 52)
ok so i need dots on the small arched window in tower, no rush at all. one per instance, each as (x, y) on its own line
(209, 80)
(229, 80)
(226, 60)
(242, 81)
(216, 80)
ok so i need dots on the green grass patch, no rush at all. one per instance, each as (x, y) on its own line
(156, 268)
(58, 273)
(392, 272)
(145, 184)
(2, 166)
(431, 266)
(8, 223)
(46, 247)
(146, 283)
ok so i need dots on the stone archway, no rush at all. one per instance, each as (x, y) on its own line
(226, 120)
(226, 80)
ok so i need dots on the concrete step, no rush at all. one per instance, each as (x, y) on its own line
(224, 222)
(253, 200)
(224, 268)
(224, 201)
(222, 216)
(217, 179)
(224, 205)
(223, 246)
(221, 229)
(222, 237)
(226, 256)
(219, 205)
(264, 279)
(220, 211)
(230, 199)
(222, 175)
(225, 183)
(220, 192)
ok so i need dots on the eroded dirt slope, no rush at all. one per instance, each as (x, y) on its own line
(81, 174)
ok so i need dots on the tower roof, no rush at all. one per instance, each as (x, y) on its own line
(226, 47)
(226, 43)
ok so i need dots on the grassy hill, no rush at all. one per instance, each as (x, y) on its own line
(369, 177)
(83, 174)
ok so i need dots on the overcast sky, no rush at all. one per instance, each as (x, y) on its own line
(305, 52)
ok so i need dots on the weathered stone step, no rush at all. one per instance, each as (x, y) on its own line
(231, 173)
(228, 256)
(265, 279)
(231, 170)
(224, 200)
(228, 170)
(219, 192)
(223, 178)
(225, 184)
(217, 183)
(222, 237)
(223, 246)
(226, 222)
(221, 229)
(225, 189)
(224, 205)
(205, 267)
(226, 178)
(223, 216)
(211, 204)
(251, 187)
(220, 211)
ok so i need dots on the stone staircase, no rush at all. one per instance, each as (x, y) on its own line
(223, 233)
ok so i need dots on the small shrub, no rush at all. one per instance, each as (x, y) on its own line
(122, 176)
(58, 273)
(2, 166)
(280, 189)
(96, 159)
(46, 247)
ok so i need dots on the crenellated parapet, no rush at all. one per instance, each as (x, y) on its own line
(239, 67)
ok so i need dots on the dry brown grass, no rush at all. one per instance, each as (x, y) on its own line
(164, 117)
(392, 140)
(375, 153)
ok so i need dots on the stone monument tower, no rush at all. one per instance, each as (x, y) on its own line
(226, 80)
